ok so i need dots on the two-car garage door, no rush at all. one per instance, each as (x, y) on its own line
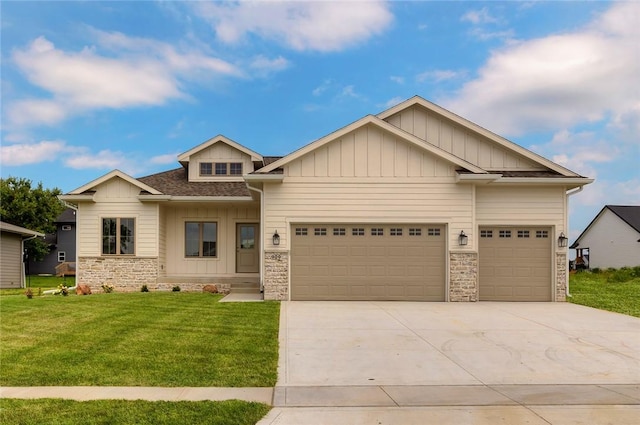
(368, 262)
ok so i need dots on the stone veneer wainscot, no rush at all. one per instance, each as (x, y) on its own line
(463, 273)
(124, 273)
(276, 275)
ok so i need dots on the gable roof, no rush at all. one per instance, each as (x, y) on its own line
(176, 183)
(12, 228)
(372, 120)
(183, 158)
(630, 214)
(115, 173)
(417, 100)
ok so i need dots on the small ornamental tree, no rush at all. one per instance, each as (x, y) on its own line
(34, 208)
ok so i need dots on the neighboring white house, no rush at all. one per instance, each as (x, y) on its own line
(612, 239)
(11, 253)
(415, 203)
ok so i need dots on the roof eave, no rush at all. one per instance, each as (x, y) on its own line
(77, 198)
(263, 177)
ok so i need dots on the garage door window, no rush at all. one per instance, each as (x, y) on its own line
(377, 231)
(357, 231)
(415, 231)
(542, 233)
(301, 231)
(523, 233)
(395, 231)
(505, 233)
(320, 231)
(433, 232)
(339, 231)
(486, 233)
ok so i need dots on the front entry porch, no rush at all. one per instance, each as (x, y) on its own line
(248, 283)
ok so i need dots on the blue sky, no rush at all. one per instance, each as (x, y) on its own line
(92, 86)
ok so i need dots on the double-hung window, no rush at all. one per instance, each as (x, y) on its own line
(201, 239)
(118, 236)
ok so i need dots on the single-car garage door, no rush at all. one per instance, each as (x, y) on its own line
(368, 262)
(515, 264)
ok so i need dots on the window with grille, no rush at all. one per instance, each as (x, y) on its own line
(523, 233)
(377, 231)
(486, 233)
(339, 231)
(504, 233)
(301, 231)
(357, 231)
(433, 232)
(395, 231)
(320, 231)
(542, 233)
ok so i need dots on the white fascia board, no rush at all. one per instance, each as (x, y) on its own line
(477, 178)
(109, 176)
(559, 181)
(77, 198)
(210, 199)
(263, 177)
(152, 198)
(255, 156)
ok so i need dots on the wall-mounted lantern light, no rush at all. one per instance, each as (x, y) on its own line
(276, 238)
(463, 239)
(562, 241)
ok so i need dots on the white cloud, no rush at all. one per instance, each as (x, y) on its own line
(560, 80)
(105, 159)
(142, 72)
(439, 75)
(397, 79)
(169, 158)
(31, 153)
(393, 102)
(264, 65)
(326, 84)
(481, 16)
(319, 25)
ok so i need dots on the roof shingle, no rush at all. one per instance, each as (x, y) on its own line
(176, 183)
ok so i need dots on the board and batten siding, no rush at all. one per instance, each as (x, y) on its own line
(226, 216)
(218, 152)
(459, 140)
(117, 198)
(521, 205)
(611, 243)
(10, 260)
(368, 176)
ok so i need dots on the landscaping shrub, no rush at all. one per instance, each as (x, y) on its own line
(176, 288)
(144, 288)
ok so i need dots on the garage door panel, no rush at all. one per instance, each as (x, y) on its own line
(367, 266)
(515, 268)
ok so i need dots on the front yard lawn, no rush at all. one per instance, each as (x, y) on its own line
(67, 412)
(171, 339)
(613, 290)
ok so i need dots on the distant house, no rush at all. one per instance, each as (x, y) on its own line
(612, 239)
(11, 247)
(62, 245)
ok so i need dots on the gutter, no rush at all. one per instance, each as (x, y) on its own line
(569, 193)
(24, 273)
(261, 192)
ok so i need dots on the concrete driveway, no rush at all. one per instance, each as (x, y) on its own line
(399, 360)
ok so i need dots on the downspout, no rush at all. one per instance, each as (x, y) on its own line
(24, 273)
(569, 193)
(261, 192)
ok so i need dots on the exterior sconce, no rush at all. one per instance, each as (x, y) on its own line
(276, 238)
(462, 239)
(562, 241)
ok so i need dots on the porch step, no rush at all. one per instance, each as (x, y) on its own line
(245, 287)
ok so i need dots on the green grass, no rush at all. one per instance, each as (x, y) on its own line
(169, 339)
(612, 290)
(49, 411)
(41, 283)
